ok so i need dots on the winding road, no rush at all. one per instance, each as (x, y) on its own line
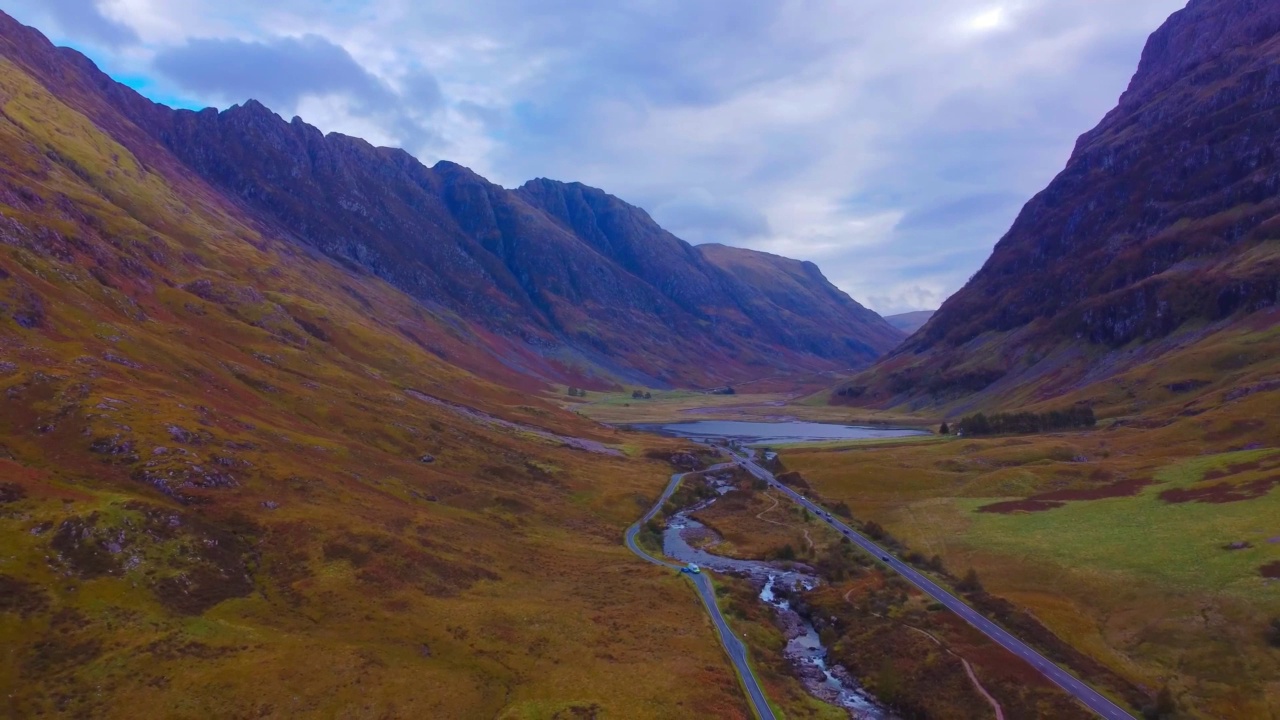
(1087, 696)
(706, 591)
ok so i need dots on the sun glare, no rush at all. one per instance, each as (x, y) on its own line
(988, 20)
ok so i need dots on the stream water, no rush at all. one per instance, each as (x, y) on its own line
(831, 683)
(775, 433)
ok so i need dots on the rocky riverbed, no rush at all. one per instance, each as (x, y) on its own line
(686, 540)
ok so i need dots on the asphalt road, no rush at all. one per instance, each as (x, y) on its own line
(732, 645)
(1089, 697)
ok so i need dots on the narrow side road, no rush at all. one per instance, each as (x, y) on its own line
(706, 591)
(1087, 696)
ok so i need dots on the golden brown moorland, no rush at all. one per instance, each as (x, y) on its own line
(229, 489)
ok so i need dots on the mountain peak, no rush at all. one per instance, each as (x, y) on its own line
(1203, 33)
(1147, 231)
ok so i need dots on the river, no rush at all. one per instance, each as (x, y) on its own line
(830, 683)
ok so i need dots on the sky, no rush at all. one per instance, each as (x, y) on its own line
(892, 142)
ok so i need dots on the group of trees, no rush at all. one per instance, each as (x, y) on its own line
(970, 582)
(577, 392)
(786, 552)
(1024, 423)
(640, 395)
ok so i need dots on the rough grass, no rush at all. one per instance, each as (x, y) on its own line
(684, 406)
(1176, 545)
(213, 502)
(1144, 585)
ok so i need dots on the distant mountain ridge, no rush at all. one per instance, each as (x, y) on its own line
(909, 322)
(1160, 232)
(575, 274)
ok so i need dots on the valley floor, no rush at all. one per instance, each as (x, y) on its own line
(1150, 545)
(1156, 558)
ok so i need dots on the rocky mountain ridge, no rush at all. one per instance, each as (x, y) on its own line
(585, 280)
(1162, 224)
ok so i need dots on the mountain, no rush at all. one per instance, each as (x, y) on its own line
(805, 305)
(590, 284)
(1143, 264)
(910, 322)
(239, 478)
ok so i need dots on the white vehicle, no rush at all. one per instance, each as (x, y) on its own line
(692, 568)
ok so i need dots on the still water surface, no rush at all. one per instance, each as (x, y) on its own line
(777, 433)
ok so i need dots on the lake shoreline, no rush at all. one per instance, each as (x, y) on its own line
(789, 432)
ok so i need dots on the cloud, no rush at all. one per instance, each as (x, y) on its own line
(891, 141)
(83, 19)
(951, 213)
(699, 217)
(310, 76)
(278, 72)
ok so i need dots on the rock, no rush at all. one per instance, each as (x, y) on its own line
(427, 459)
(182, 435)
(11, 492)
(114, 445)
(685, 461)
(116, 359)
(270, 504)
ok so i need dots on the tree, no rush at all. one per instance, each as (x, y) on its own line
(944, 430)
(574, 392)
(1162, 706)
(970, 583)
(1273, 634)
(786, 552)
(647, 396)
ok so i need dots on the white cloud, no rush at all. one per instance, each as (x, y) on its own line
(988, 20)
(888, 140)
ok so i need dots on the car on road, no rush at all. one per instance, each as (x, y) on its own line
(691, 568)
(884, 558)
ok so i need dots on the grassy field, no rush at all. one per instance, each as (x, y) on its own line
(1141, 582)
(619, 408)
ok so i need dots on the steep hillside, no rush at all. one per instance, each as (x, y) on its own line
(910, 322)
(236, 479)
(590, 284)
(1158, 239)
(795, 300)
